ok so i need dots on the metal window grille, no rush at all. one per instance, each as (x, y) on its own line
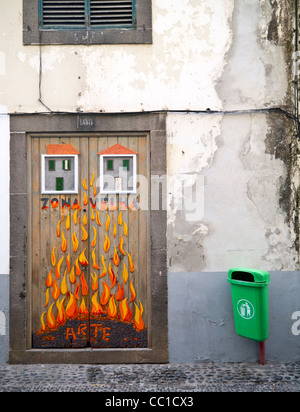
(87, 14)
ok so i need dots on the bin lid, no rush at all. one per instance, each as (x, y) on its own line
(248, 275)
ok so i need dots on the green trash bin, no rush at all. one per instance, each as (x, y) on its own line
(250, 299)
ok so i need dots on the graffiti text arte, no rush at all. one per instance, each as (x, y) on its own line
(80, 332)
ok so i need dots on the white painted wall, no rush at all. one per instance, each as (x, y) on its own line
(177, 71)
(2, 324)
(205, 54)
(4, 193)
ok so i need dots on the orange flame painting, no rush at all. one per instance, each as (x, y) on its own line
(82, 308)
(96, 309)
(131, 265)
(75, 217)
(116, 259)
(125, 311)
(84, 184)
(76, 293)
(95, 237)
(72, 276)
(58, 229)
(106, 245)
(63, 243)
(84, 286)
(50, 318)
(125, 273)
(53, 259)
(107, 222)
(57, 269)
(106, 294)
(61, 317)
(92, 180)
(138, 320)
(83, 259)
(120, 293)
(55, 291)
(85, 199)
(64, 286)
(104, 271)
(75, 242)
(85, 307)
(68, 223)
(112, 308)
(43, 326)
(120, 219)
(68, 264)
(95, 266)
(95, 281)
(72, 310)
(133, 294)
(98, 218)
(78, 270)
(49, 280)
(125, 229)
(121, 246)
(85, 234)
(92, 214)
(115, 229)
(112, 276)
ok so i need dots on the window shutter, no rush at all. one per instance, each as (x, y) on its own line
(111, 13)
(126, 164)
(51, 165)
(110, 164)
(87, 13)
(67, 164)
(63, 13)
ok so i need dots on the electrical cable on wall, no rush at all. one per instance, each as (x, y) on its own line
(294, 117)
(41, 73)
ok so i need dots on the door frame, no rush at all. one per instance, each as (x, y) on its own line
(22, 126)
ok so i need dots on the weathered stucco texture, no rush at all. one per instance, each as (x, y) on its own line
(177, 71)
(217, 57)
(246, 154)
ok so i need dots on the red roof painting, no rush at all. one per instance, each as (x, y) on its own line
(61, 149)
(117, 149)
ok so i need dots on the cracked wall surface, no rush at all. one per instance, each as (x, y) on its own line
(245, 153)
(222, 71)
(221, 58)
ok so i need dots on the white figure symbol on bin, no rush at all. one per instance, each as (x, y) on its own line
(245, 309)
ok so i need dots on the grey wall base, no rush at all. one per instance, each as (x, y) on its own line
(201, 324)
(4, 320)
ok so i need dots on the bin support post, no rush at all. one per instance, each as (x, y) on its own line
(262, 353)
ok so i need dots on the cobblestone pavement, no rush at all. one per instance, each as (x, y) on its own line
(197, 377)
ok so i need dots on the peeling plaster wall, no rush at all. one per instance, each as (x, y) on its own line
(247, 219)
(244, 222)
(178, 71)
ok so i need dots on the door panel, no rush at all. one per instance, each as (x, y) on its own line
(90, 260)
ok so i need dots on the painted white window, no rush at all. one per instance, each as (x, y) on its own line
(61, 178)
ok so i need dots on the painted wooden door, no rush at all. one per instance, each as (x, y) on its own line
(89, 251)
